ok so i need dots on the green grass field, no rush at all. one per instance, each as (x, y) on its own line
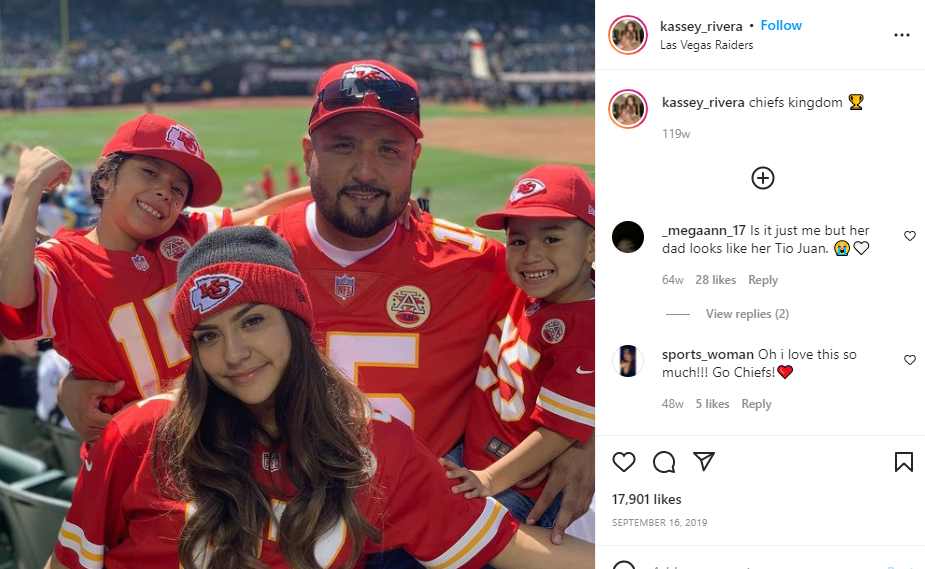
(241, 142)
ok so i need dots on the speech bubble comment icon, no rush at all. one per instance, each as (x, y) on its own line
(663, 462)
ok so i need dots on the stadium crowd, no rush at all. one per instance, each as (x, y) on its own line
(136, 53)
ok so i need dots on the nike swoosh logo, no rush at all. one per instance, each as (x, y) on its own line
(580, 371)
(88, 465)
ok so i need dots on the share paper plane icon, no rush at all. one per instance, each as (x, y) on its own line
(705, 458)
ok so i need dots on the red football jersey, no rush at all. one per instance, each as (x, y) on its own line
(118, 519)
(407, 322)
(537, 371)
(108, 311)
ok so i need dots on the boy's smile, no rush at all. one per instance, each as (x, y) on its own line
(551, 258)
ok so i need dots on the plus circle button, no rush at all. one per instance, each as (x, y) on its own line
(763, 177)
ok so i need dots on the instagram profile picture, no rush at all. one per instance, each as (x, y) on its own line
(627, 237)
(628, 34)
(628, 360)
(628, 108)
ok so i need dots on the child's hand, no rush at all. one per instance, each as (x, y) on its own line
(41, 169)
(475, 483)
(412, 211)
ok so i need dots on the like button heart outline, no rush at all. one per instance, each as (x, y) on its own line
(624, 460)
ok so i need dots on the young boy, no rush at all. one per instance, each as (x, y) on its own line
(535, 385)
(104, 293)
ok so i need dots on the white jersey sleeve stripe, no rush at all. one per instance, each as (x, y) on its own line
(212, 214)
(261, 220)
(480, 534)
(565, 407)
(47, 296)
(213, 220)
(72, 537)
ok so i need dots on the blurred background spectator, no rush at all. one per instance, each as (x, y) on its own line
(51, 369)
(17, 371)
(183, 50)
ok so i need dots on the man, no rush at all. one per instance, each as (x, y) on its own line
(404, 313)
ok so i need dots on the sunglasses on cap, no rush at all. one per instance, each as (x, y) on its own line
(392, 95)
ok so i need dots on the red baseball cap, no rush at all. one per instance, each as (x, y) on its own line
(162, 137)
(551, 190)
(390, 92)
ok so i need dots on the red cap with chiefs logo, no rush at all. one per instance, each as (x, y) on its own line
(162, 137)
(390, 92)
(551, 190)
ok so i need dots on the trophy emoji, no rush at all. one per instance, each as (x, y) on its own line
(855, 99)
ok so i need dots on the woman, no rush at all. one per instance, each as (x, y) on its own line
(628, 361)
(266, 456)
(629, 112)
(629, 40)
(103, 293)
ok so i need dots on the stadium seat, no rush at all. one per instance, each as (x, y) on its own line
(14, 467)
(65, 490)
(17, 427)
(35, 516)
(35, 519)
(67, 444)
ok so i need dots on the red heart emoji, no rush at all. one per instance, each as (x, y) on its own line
(785, 371)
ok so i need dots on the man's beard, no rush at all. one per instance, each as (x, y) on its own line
(362, 224)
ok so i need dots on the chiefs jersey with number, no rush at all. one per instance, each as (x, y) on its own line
(108, 311)
(118, 518)
(537, 371)
(408, 321)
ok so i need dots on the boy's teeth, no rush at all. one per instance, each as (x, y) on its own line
(537, 274)
(150, 210)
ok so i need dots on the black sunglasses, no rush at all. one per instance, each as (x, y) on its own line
(393, 95)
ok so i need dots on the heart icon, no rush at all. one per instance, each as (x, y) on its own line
(910, 235)
(624, 460)
(910, 358)
(861, 247)
(784, 371)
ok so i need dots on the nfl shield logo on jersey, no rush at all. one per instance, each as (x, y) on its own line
(345, 286)
(140, 263)
(211, 290)
(270, 461)
(533, 307)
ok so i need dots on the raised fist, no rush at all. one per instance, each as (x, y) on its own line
(41, 169)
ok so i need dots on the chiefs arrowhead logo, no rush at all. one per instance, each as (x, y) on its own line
(211, 290)
(526, 188)
(367, 71)
(181, 138)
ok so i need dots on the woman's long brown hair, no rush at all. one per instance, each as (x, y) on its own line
(204, 450)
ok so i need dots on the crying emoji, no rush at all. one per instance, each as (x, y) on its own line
(842, 248)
